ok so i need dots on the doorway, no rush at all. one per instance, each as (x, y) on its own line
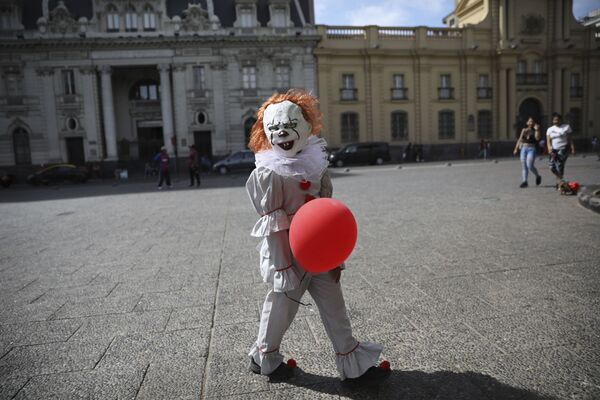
(530, 107)
(203, 141)
(150, 140)
(75, 153)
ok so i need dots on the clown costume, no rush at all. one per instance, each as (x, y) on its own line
(291, 169)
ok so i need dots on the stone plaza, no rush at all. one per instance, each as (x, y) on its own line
(476, 288)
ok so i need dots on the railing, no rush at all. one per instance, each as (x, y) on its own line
(346, 33)
(532, 79)
(576, 91)
(348, 94)
(484, 92)
(399, 93)
(446, 93)
(444, 33)
(395, 32)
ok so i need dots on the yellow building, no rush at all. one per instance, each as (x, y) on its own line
(449, 88)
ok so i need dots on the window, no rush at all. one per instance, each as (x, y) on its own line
(21, 146)
(199, 79)
(484, 80)
(248, 124)
(112, 18)
(445, 91)
(149, 18)
(399, 125)
(348, 92)
(145, 90)
(131, 19)
(398, 81)
(68, 81)
(247, 17)
(576, 88)
(249, 77)
(446, 124)
(521, 67)
(538, 67)
(398, 89)
(575, 120)
(5, 17)
(282, 77)
(349, 127)
(279, 17)
(575, 79)
(201, 117)
(484, 124)
(484, 91)
(72, 123)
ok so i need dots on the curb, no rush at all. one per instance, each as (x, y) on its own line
(589, 197)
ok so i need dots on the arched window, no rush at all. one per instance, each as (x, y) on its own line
(145, 90)
(446, 124)
(484, 124)
(21, 146)
(112, 18)
(248, 124)
(399, 125)
(574, 118)
(131, 19)
(149, 18)
(349, 124)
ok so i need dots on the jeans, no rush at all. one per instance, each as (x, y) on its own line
(194, 175)
(557, 161)
(527, 161)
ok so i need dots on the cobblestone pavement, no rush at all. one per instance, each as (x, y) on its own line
(476, 288)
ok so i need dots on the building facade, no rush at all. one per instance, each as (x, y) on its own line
(449, 88)
(114, 80)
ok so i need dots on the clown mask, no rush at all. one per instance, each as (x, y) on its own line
(286, 128)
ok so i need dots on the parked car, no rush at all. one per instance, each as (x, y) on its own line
(238, 161)
(57, 174)
(6, 179)
(361, 153)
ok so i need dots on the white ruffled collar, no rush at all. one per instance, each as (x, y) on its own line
(309, 164)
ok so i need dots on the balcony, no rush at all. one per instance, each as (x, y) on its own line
(484, 92)
(446, 93)
(348, 94)
(576, 92)
(532, 79)
(399, 93)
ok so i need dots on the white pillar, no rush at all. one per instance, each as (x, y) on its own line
(90, 119)
(220, 96)
(166, 107)
(51, 125)
(180, 100)
(108, 110)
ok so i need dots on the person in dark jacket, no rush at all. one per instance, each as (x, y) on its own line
(194, 165)
(163, 160)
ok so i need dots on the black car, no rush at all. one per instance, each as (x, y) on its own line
(361, 153)
(57, 174)
(238, 161)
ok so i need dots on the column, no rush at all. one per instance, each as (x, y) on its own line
(166, 107)
(219, 92)
(108, 110)
(502, 103)
(90, 119)
(51, 125)
(180, 100)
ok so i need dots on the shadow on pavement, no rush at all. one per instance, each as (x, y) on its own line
(417, 385)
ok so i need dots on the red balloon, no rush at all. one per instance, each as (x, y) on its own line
(322, 235)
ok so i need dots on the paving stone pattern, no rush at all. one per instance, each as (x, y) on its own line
(477, 289)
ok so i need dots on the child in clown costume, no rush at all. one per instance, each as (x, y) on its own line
(291, 169)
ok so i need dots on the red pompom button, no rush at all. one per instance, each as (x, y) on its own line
(309, 198)
(385, 365)
(304, 185)
(291, 363)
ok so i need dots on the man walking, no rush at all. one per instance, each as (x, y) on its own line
(163, 159)
(194, 165)
(559, 140)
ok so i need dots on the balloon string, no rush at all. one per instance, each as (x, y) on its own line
(298, 301)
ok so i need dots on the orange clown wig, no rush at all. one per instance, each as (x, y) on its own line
(310, 110)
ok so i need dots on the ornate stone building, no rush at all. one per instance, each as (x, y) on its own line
(449, 88)
(114, 80)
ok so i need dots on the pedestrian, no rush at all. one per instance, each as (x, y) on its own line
(527, 143)
(291, 169)
(559, 141)
(194, 166)
(482, 149)
(163, 171)
(595, 146)
(419, 153)
(407, 151)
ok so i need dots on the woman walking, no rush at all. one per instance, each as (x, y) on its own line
(527, 143)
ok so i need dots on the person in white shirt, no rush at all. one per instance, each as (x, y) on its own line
(559, 141)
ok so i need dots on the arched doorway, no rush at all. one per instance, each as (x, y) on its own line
(530, 107)
(248, 124)
(21, 148)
